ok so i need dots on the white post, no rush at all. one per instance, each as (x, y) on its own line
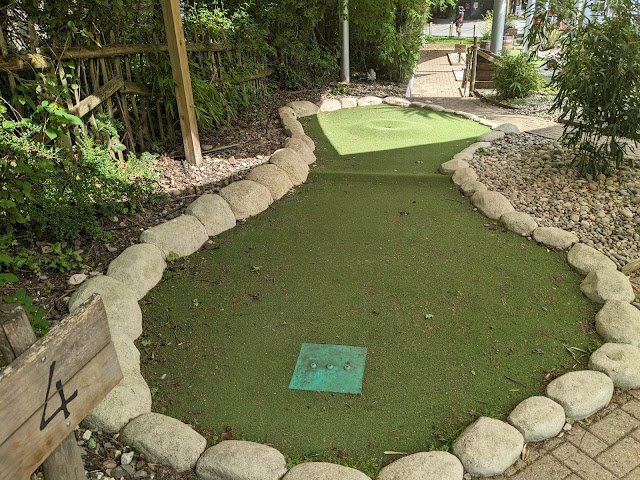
(497, 29)
(344, 30)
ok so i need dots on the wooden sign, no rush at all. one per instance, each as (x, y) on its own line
(51, 387)
(460, 48)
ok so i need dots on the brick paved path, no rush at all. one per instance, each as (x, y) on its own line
(607, 445)
(434, 80)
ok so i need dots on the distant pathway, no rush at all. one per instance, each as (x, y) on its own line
(434, 80)
(607, 445)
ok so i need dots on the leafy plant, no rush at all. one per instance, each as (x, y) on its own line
(596, 77)
(516, 76)
(36, 314)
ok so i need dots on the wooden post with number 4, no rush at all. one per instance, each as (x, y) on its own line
(49, 387)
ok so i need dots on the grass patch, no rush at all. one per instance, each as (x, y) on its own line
(433, 39)
(376, 250)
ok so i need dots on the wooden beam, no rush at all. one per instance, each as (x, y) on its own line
(14, 63)
(95, 99)
(180, 67)
(39, 60)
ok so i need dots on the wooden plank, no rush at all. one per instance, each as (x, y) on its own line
(13, 63)
(29, 446)
(180, 68)
(71, 344)
(37, 60)
(16, 334)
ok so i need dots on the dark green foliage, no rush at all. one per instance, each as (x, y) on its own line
(597, 79)
(598, 85)
(516, 76)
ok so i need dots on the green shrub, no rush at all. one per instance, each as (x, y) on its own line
(516, 77)
(596, 77)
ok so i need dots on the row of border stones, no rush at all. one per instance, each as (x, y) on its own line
(487, 447)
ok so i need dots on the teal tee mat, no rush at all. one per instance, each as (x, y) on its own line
(329, 368)
(376, 250)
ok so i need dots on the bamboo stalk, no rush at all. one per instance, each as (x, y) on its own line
(12, 81)
(134, 104)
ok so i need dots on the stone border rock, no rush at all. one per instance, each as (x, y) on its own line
(487, 447)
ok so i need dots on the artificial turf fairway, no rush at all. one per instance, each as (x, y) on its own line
(376, 250)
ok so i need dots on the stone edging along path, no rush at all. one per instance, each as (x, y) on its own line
(486, 448)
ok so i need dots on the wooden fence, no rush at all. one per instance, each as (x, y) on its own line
(111, 79)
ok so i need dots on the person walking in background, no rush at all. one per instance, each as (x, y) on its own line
(459, 19)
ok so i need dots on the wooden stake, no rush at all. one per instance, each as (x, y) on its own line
(180, 67)
(16, 336)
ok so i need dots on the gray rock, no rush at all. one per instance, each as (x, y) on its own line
(303, 108)
(323, 471)
(605, 284)
(121, 305)
(621, 362)
(302, 148)
(491, 136)
(449, 168)
(329, 105)
(464, 175)
(291, 162)
(585, 259)
(477, 145)
(129, 399)
(76, 279)
(508, 128)
(272, 177)
(582, 393)
(139, 267)
(538, 418)
(396, 101)
(368, 101)
(488, 447)
(424, 466)
(183, 235)
(306, 139)
(246, 198)
(518, 222)
(491, 204)
(619, 322)
(466, 155)
(237, 460)
(469, 116)
(292, 127)
(487, 123)
(555, 238)
(434, 108)
(418, 104)
(286, 112)
(631, 267)
(469, 188)
(127, 353)
(165, 440)
(348, 102)
(214, 213)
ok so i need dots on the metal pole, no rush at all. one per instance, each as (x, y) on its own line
(528, 21)
(497, 29)
(344, 54)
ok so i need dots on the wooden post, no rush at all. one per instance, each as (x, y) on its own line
(16, 336)
(180, 67)
(450, 30)
(430, 30)
(474, 66)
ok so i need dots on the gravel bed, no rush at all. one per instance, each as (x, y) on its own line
(535, 174)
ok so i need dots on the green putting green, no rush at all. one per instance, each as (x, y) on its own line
(376, 250)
